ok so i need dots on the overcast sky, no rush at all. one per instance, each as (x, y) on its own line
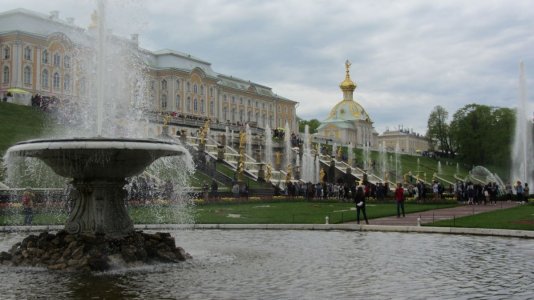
(407, 56)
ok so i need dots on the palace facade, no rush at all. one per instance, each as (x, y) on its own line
(38, 56)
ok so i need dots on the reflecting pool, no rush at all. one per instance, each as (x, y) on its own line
(280, 264)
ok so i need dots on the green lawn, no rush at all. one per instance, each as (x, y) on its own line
(302, 212)
(519, 218)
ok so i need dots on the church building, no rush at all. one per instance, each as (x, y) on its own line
(348, 122)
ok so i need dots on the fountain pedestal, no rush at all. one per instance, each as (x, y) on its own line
(99, 207)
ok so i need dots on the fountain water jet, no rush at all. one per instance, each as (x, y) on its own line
(523, 149)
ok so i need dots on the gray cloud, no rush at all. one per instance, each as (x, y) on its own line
(408, 56)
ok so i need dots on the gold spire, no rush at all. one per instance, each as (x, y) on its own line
(347, 84)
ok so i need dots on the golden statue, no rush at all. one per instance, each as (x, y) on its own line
(166, 120)
(322, 174)
(94, 19)
(268, 172)
(277, 157)
(288, 172)
(242, 139)
(204, 131)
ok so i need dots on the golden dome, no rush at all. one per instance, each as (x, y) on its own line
(347, 84)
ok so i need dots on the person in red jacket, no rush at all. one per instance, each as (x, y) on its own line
(399, 198)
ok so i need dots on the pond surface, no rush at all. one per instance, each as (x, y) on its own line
(256, 264)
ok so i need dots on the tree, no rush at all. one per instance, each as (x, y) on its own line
(483, 134)
(313, 125)
(438, 131)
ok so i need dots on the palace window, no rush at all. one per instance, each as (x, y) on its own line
(6, 74)
(82, 86)
(164, 85)
(178, 102)
(195, 105)
(55, 81)
(27, 75)
(66, 61)
(241, 101)
(202, 89)
(177, 84)
(195, 88)
(164, 101)
(7, 53)
(188, 85)
(248, 102)
(211, 91)
(224, 98)
(57, 60)
(66, 82)
(44, 57)
(202, 106)
(152, 84)
(249, 116)
(241, 115)
(233, 99)
(28, 53)
(44, 79)
(225, 113)
(212, 107)
(233, 114)
(188, 104)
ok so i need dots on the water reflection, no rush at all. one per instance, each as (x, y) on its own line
(304, 265)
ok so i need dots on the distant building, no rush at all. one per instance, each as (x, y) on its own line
(38, 56)
(408, 141)
(348, 122)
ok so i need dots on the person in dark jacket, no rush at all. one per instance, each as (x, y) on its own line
(359, 199)
(399, 198)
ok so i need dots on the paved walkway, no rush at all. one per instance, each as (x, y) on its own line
(440, 214)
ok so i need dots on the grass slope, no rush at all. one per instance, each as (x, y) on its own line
(17, 123)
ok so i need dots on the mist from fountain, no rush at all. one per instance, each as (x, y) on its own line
(522, 148)
(334, 150)
(366, 157)
(440, 169)
(248, 137)
(268, 159)
(309, 171)
(398, 164)
(382, 156)
(350, 155)
(287, 146)
(227, 135)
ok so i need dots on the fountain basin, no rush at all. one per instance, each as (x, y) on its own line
(98, 168)
(96, 158)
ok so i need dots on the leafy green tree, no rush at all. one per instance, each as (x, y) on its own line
(483, 134)
(438, 131)
(313, 124)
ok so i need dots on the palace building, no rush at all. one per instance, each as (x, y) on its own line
(348, 122)
(38, 56)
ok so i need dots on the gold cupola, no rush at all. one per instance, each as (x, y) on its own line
(347, 86)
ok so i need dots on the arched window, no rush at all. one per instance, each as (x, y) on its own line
(257, 117)
(66, 61)
(7, 53)
(224, 98)
(177, 84)
(201, 106)
(6, 74)
(212, 107)
(164, 84)
(233, 114)
(188, 86)
(249, 116)
(195, 88)
(57, 60)
(178, 102)
(27, 75)
(188, 104)
(211, 91)
(44, 79)
(225, 113)
(241, 115)
(28, 53)
(66, 82)
(44, 57)
(202, 89)
(233, 99)
(55, 81)
(195, 105)
(164, 101)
